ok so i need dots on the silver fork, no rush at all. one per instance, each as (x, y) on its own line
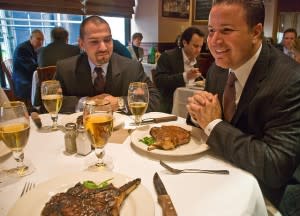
(178, 171)
(27, 187)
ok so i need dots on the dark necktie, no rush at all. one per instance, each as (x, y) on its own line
(229, 105)
(99, 82)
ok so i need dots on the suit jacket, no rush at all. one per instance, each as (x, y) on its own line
(49, 55)
(169, 76)
(133, 55)
(24, 64)
(74, 75)
(264, 134)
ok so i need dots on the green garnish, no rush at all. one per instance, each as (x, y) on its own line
(147, 140)
(92, 185)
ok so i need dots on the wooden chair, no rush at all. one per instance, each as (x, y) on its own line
(46, 73)
(41, 74)
(7, 67)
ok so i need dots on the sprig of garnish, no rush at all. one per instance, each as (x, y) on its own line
(147, 140)
(92, 185)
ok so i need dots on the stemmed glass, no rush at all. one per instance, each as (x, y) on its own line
(52, 98)
(14, 132)
(138, 99)
(98, 121)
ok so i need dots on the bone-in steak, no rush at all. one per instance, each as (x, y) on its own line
(169, 137)
(81, 201)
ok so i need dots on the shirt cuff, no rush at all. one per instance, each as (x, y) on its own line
(184, 77)
(208, 129)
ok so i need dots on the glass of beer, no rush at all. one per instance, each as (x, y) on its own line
(98, 122)
(138, 99)
(52, 97)
(14, 132)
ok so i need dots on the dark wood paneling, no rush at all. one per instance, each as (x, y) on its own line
(288, 5)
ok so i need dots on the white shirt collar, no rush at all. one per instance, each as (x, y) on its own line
(186, 59)
(92, 66)
(242, 73)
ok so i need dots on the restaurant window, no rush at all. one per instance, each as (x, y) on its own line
(16, 27)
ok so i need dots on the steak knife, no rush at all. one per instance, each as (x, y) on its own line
(157, 120)
(163, 198)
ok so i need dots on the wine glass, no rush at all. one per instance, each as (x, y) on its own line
(52, 99)
(14, 132)
(138, 99)
(98, 121)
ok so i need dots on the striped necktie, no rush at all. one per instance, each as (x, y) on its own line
(99, 82)
(229, 105)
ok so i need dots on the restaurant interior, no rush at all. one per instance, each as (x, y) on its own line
(54, 169)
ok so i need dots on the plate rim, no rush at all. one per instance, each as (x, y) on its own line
(120, 119)
(119, 180)
(202, 147)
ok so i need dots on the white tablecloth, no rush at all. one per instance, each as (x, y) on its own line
(180, 97)
(192, 194)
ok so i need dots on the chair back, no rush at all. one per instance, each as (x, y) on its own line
(46, 73)
(7, 68)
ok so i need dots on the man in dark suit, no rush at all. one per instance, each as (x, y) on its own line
(78, 76)
(289, 36)
(57, 50)
(177, 67)
(25, 63)
(263, 135)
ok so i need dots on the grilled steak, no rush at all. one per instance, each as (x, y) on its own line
(169, 137)
(81, 201)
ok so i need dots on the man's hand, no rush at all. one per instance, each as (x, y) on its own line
(193, 74)
(204, 107)
(113, 100)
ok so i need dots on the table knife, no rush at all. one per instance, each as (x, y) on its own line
(157, 120)
(163, 198)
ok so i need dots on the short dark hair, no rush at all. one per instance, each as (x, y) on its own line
(255, 10)
(93, 19)
(137, 35)
(290, 30)
(59, 34)
(36, 31)
(188, 34)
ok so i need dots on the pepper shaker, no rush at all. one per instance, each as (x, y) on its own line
(70, 138)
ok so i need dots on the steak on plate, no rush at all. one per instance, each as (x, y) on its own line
(169, 137)
(81, 201)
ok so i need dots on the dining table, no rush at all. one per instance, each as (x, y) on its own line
(192, 194)
(148, 69)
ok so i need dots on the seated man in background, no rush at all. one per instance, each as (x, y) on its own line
(250, 109)
(289, 35)
(24, 64)
(100, 72)
(136, 51)
(296, 49)
(177, 67)
(58, 49)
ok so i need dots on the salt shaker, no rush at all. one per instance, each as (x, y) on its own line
(83, 143)
(70, 138)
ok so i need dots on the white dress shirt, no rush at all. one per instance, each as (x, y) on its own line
(242, 73)
(188, 65)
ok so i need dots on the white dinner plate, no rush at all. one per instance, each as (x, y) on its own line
(3, 149)
(195, 146)
(139, 202)
(118, 119)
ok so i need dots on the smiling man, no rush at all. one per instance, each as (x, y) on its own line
(100, 72)
(177, 67)
(250, 108)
